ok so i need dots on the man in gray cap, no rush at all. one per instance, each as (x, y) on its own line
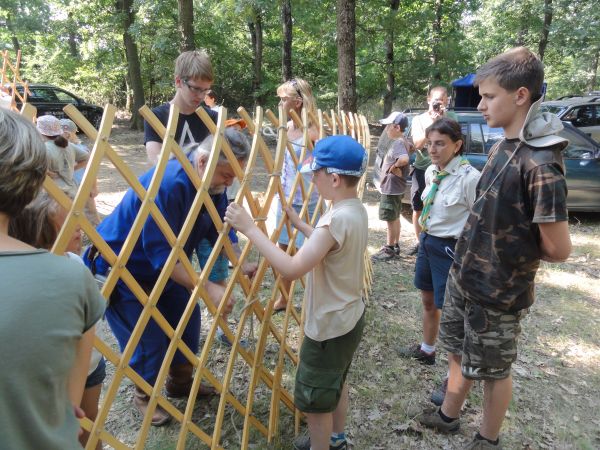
(391, 169)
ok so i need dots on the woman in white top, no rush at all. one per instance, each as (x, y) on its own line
(450, 185)
(294, 95)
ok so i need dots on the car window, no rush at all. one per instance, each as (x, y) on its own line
(491, 136)
(64, 97)
(579, 147)
(475, 138)
(42, 95)
(554, 109)
(581, 116)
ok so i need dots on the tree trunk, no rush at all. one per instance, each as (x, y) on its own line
(186, 24)
(13, 35)
(256, 34)
(286, 49)
(546, 29)
(73, 50)
(346, 47)
(594, 72)
(436, 76)
(133, 63)
(388, 99)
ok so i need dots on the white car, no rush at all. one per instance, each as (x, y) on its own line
(581, 112)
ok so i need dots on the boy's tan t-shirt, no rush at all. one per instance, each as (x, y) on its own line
(334, 288)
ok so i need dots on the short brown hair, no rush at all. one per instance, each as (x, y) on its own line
(515, 68)
(194, 64)
(441, 89)
(35, 224)
(350, 180)
(23, 162)
(450, 128)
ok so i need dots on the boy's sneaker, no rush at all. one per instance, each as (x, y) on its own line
(439, 393)
(414, 250)
(302, 442)
(397, 249)
(415, 352)
(430, 418)
(482, 444)
(385, 254)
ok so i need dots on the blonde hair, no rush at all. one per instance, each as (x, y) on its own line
(297, 87)
(194, 64)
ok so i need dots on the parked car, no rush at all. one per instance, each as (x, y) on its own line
(581, 112)
(49, 99)
(581, 158)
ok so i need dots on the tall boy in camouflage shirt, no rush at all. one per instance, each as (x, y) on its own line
(519, 217)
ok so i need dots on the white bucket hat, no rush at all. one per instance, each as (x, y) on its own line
(49, 126)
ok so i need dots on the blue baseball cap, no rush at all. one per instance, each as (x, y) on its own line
(338, 154)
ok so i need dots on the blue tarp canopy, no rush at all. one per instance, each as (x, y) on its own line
(465, 95)
(466, 81)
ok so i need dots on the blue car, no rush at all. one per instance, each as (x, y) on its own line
(581, 158)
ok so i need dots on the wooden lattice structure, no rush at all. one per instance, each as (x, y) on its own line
(254, 383)
(10, 78)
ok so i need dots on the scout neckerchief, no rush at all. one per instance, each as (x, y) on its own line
(431, 195)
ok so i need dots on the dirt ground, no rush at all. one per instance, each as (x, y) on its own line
(556, 377)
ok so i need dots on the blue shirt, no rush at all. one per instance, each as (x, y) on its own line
(174, 199)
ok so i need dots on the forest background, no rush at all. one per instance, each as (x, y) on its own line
(369, 56)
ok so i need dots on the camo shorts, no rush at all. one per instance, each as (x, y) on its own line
(486, 338)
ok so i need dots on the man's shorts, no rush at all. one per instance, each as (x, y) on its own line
(489, 350)
(433, 265)
(390, 207)
(284, 237)
(322, 370)
(416, 188)
(220, 271)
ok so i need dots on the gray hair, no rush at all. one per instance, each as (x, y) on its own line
(236, 140)
(23, 162)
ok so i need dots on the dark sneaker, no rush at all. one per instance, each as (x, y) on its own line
(222, 339)
(415, 352)
(397, 249)
(384, 254)
(482, 444)
(430, 418)
(302, 442)
(414, 250)
(439, 393)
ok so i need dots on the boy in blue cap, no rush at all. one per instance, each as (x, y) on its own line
(333, 256)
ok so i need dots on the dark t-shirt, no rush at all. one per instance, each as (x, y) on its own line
(190, 128)
(498, 252)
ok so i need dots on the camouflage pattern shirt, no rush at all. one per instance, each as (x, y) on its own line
(498, 252)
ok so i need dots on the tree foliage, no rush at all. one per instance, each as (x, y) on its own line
(79, 46)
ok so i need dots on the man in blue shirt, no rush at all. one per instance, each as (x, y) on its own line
(174, 200)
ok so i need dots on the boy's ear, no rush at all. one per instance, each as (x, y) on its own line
(522, 96)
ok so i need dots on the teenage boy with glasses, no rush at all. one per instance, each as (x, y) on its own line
(193, 79)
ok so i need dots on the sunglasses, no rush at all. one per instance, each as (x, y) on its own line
(195, 89)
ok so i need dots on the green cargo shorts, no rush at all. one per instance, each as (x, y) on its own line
(390, 207)
(322, 370)
(486, 338)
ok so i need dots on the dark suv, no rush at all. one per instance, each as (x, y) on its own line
(50, 99)
(581, 158)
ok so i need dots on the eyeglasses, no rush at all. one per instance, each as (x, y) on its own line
(195, 89)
